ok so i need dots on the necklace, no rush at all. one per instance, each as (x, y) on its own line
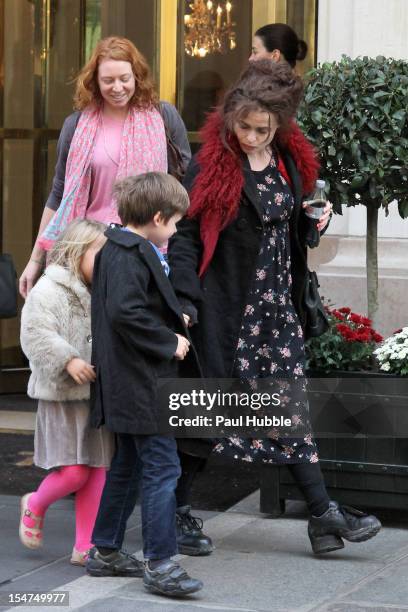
(105, 147)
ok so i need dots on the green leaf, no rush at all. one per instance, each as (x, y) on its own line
(357, 181)
(363, 138)
(403, 209)
(317, 116)
(373, 143)
(399, 114)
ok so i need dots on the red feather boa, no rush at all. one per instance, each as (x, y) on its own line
(217, 188)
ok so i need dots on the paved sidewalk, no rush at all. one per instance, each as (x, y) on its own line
(260, 565)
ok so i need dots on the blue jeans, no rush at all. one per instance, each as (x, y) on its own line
(151, 463)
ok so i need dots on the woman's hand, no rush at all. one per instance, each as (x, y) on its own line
(187, 320)
(81, 371)
(182, 347)
(325, 217)
(29, 277)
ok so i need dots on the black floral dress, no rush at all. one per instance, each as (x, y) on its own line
(271, 339)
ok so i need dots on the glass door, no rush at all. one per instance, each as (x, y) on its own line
(214, 44)
(40, 52)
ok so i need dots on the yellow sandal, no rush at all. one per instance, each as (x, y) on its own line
(79, 557)
(30, 536)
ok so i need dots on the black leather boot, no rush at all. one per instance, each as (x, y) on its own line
(190, 538)
(326, 531)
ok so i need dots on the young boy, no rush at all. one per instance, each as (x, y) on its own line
(138, 333)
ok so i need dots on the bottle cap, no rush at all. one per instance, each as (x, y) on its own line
(320, 184)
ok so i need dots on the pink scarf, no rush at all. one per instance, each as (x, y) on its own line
(143, 149)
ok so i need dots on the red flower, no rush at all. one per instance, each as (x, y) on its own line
(347, 333)
(377, 337)
(338, 315)
(355, 318)
(363, 335)
(345, 310)
(366, 321)
(342, 328)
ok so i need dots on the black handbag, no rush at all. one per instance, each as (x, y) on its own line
(175, 162)
(8, 287)
(316, 321)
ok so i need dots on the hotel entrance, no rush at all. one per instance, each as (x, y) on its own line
(43, 43)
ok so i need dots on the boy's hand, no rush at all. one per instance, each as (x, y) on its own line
(81, 371)
(182, 347)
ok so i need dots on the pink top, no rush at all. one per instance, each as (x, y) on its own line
(104, 167)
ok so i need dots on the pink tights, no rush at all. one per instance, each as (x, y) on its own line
(87, 483)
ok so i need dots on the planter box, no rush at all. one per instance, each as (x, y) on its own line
(366, 462)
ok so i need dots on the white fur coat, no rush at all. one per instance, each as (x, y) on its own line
(55, 327)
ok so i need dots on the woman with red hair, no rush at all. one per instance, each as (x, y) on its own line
(118, 129)
(238, 265)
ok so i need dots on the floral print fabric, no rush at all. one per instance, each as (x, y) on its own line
(271, 338)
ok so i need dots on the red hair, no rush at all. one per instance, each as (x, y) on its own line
(121, 49)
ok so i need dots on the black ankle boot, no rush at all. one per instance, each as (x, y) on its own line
(190, 538)
(326, 531)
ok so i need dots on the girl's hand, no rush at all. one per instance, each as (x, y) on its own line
(187, 320)
(81, 371)
(326, 216)
(30, 275)
(183, 346)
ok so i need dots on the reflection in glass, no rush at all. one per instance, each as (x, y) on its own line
(208, 29)
(17, 229)
(92, 26)
(19, 67)
(133, 20)
(204, 79)
(301, 17)
(63, 61)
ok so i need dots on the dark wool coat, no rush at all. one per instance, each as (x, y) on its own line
(135, 316)
(217, 299)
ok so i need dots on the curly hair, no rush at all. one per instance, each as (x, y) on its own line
(87, 89)
(266, 86)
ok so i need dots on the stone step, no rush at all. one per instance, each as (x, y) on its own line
(12, 421)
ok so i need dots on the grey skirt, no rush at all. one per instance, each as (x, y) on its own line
(63, 436)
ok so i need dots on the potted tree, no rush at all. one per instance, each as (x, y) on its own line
(355, 111)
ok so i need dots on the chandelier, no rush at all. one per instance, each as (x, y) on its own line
(208, 28)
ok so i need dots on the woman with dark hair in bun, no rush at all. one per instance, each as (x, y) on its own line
(238, 266)
(278, 42)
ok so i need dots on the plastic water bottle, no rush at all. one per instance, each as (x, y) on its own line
(317, 202)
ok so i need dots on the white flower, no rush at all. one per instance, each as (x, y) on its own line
(385, 366)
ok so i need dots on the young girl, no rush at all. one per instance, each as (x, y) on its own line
(56, 337)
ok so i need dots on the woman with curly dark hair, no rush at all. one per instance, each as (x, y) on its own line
(238, 265)
(117, 130)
